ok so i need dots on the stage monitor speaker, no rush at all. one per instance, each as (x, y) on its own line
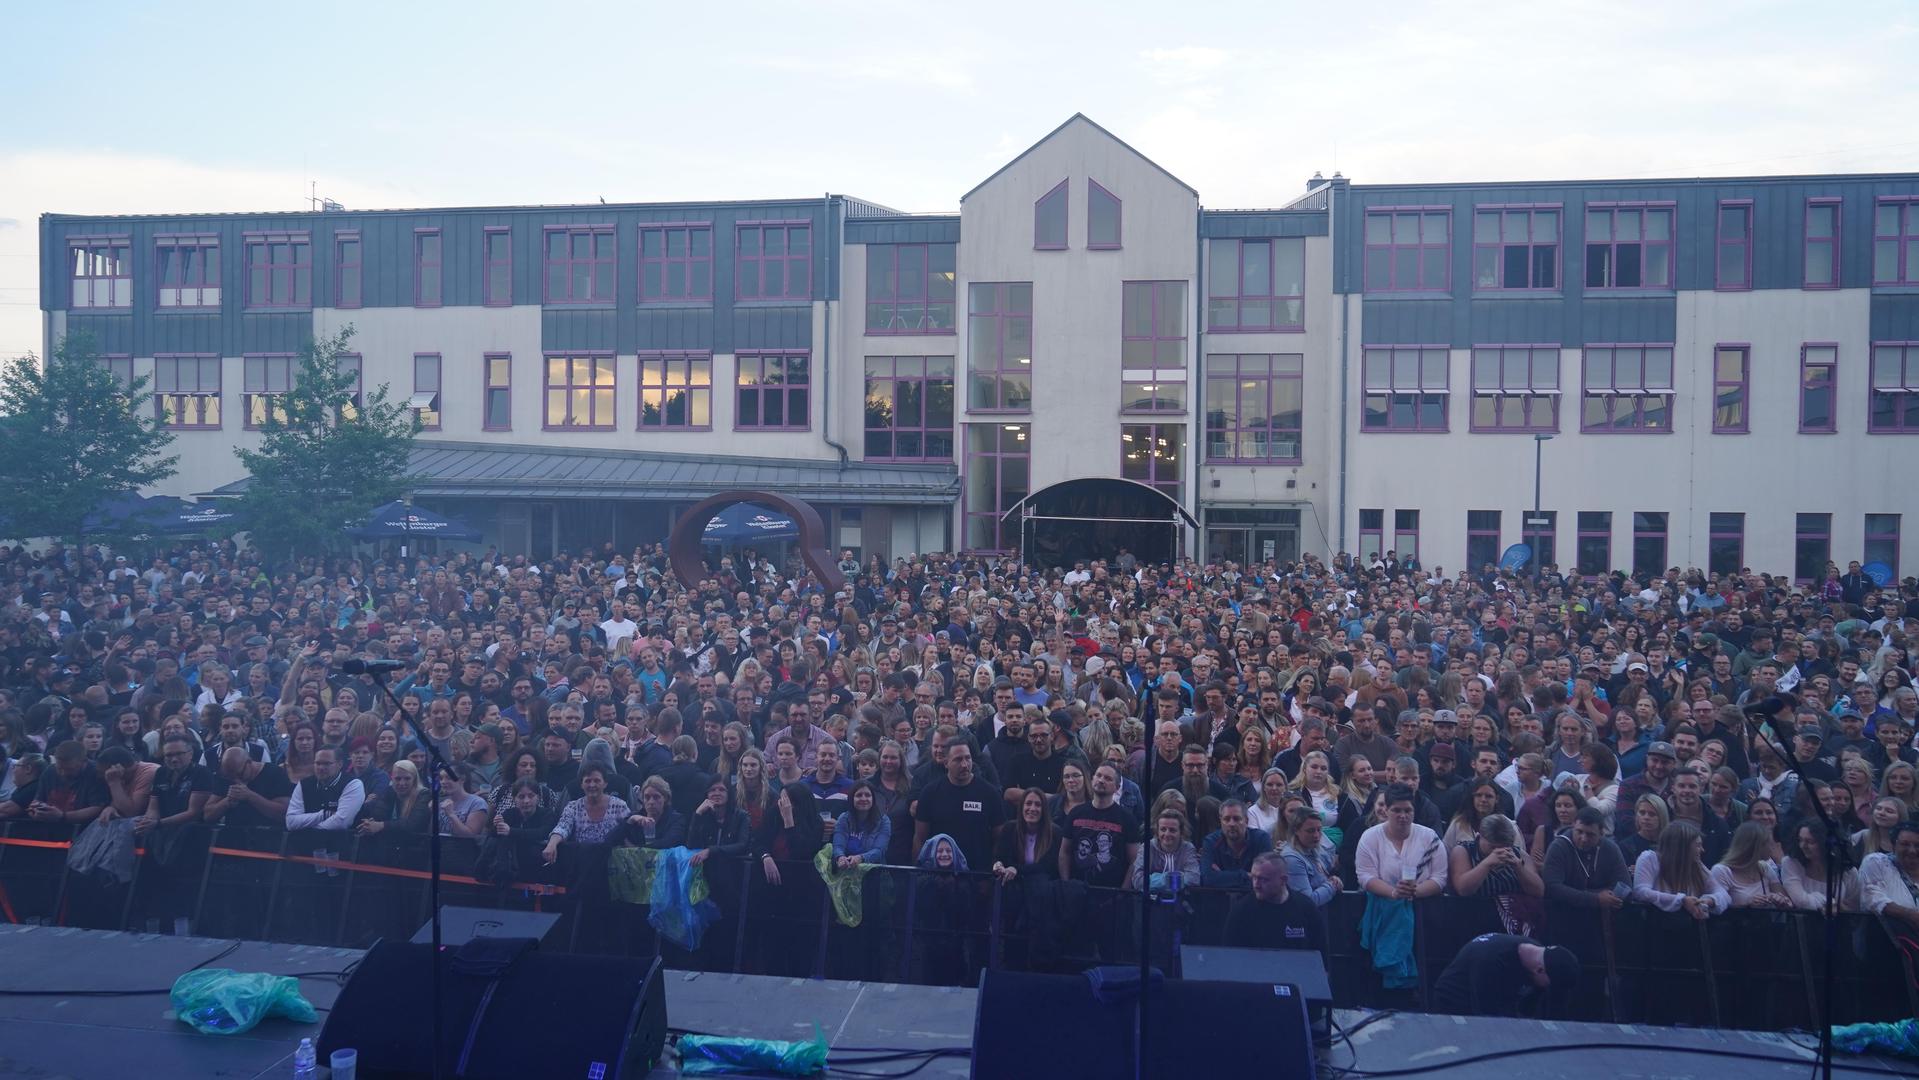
(549, 1014)
(1051, 1026)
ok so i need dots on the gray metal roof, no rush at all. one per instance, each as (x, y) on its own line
(1089, 120)
(472, 469)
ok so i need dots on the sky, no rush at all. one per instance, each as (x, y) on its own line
(114, 107)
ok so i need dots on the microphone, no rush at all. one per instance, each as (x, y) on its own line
(357, 666)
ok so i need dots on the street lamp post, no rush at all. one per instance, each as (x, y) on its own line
(1537, 521)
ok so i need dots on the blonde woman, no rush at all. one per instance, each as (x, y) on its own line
(1746, 872)
(1673, 877)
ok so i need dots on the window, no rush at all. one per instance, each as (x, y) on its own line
(1648, 544)
(1895, 242)
(186, 391)
(348, 275)
(120, 366)
(1725, 543)
(1406, 534)
(349, 364)
(1733, 243)
(1627, 388)
(1256, 285)
(1731, 376)
(1102, 218)
(1482, 539)
(428, 263)
(102, 272)
(496, 266)
(1818, 389)
(676, 391)
(279, 270)
(1049, 220)
(1372, 541)
(1152, 354)
(1254, 408)
(579, 264)
(998, 475)
(1409, 249)
(1628, 247)
(189, 271)
(1405, 389)
(266, 377)
(1895, 387)
(774, 261)
(909, 408)
(910, 288)
(773, 393)
(1515, 247)
(497, 385)
(999, 346)
(1593, 552)
(579, 392)
(1542, 535)
(676, 263)
(1154, 455)
(1882, 541)
(426, 380)
(1822, 243)
(1811, 546)
(1516, 388)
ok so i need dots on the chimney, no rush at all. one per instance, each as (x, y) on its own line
(1318, 179)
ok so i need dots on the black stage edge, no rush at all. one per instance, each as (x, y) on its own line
(109, 1038)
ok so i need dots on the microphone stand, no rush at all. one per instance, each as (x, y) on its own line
(1140, 1037)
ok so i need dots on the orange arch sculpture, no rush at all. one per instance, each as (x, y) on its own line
(683, 544)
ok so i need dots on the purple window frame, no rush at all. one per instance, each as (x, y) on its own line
(1651, 526)
(1481, 532)
(199, 396)
(1812, 355)
(1726, 526)
(1405, 534)
(423, 362)
(120, 366)
(601, 269)
(92, 260)
(792, 396)
(885, 306)
(791, 266)
(1094, 192)
(1156, 377)
(195, 278)
(977, 460)
(598, 393)
(1601, 530)
(1064, 191)
(1899, 396)
(1286, 312)
(1384, 253)
(1741, 245)
(886, 376)
(1382, 396)
(261, 391)
(1901, 242)
(1531, 395)
(1831, 244)
(1256, 383)
(1640, 392)
(1146, 466)
(992, 304)
(1376, 532)
(1881, 536)
(341, 265)
(488, 388)
(429, 274)
(489, 295)
(280, 281)
(656, 269)
(1741, 386)
(1544, 540)
(1811, 528)
(658, 371)
(1639, 212)
(356, 395)
(1491, 254)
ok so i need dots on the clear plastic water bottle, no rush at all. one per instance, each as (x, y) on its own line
(305, 1061)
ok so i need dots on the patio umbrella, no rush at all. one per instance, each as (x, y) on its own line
(198, 517)
(748, 521)
(132, 513)
(397, 519)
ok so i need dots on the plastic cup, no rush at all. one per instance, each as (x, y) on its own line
(344, 1063)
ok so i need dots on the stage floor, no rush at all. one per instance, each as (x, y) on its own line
(85, 1037)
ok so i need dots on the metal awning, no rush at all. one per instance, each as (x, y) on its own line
(1030, 506)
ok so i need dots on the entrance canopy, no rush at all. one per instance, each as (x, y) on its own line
(1092, 518)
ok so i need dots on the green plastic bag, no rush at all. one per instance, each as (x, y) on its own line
(712, 1055)
(221, 1001)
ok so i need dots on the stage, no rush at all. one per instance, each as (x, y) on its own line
(86, 1036)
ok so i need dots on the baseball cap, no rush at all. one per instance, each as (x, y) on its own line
(1638, 666)
(1662, 749)
(1443, 749)
(1445, 716)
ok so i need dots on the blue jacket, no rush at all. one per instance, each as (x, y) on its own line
(1220, 868)
(869, 846)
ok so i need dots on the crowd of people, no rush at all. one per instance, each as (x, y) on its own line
(1289, 732)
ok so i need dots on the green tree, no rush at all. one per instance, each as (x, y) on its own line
(324, 460)
(72, 438)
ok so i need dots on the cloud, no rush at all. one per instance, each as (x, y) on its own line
(9, 223)
(1188, 63)
(949, 72)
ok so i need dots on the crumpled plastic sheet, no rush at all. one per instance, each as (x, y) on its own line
(221, 1001)
(713, 1055)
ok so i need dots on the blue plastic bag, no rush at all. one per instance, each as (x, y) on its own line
(221, 1001)
(713, 1055)
(681, 905)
